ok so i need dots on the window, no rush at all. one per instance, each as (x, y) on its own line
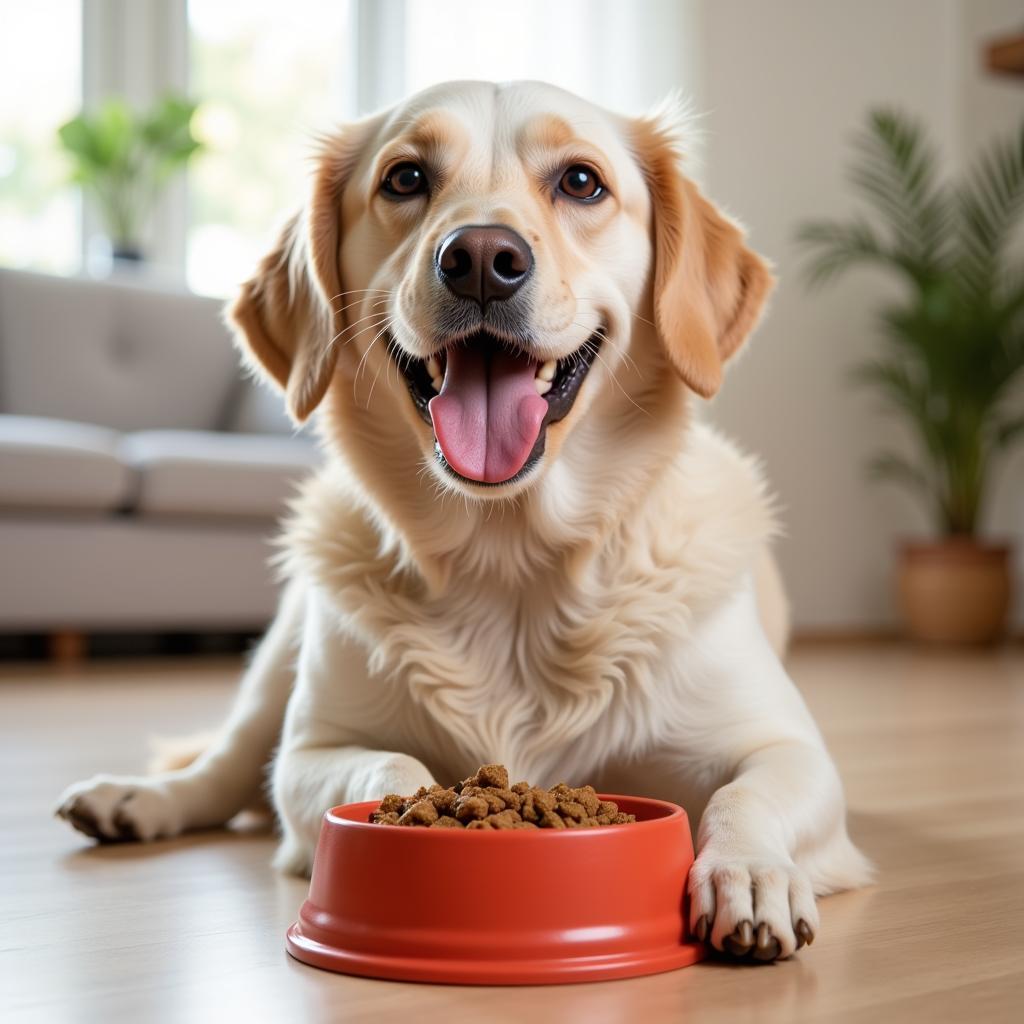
(625, 56)
(269, 77)
(498, 42)
(39, 211)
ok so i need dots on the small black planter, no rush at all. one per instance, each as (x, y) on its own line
(128, 254)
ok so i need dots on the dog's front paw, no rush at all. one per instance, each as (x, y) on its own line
(120, 809)
(393, 773)
(757, 908)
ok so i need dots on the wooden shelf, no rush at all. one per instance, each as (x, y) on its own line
(1005, 55)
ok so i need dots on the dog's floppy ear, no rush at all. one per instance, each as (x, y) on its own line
(285, 314)
(709, 288)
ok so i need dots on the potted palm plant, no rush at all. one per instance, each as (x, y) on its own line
(124, 159)
(952, 354)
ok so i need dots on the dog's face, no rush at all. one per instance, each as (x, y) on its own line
(500, 254)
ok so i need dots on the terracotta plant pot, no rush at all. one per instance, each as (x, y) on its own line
(955, 591)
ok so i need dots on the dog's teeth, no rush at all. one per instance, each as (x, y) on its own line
(547, 370)
(436, 382)
(433, 367)
(542, 386)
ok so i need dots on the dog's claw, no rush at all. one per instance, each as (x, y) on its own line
(804, 933)
(767, 946)
(700, 929)
(741, 940)
(82, 822)
(126, 831)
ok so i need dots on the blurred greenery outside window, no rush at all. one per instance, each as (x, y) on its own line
(266, 85)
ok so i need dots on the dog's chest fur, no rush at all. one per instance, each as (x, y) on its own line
(531, 678)
(547, 670)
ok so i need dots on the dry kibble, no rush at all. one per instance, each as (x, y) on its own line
(505, 819)
(551, 820)
(471, 807)
(392, 802)
(444, 800)
(571, 809)
(487, 801)
(423, 812)
(494, 775)
(510, 799)
(542, 799)
(586, 796)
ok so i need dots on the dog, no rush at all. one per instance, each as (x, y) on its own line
(523, 546)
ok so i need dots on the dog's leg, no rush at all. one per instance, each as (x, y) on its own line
(774, 836)
(760, 840)
(308, 781)
(223, 779)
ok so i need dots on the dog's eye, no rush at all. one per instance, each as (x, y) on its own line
(404, 180)
(580, 182)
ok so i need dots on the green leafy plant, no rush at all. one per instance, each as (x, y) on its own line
(954, 343)
(124, 159)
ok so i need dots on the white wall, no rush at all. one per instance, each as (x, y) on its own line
(994, 105)
(784, 85)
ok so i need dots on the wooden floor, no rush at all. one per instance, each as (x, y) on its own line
(931, 747)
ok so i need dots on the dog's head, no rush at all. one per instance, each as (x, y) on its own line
(497, 263)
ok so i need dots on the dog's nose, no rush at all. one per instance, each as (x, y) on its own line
(484, 262)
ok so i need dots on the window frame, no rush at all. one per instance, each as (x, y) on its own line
(140, 51)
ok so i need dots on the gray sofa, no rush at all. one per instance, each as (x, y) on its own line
(141, 477)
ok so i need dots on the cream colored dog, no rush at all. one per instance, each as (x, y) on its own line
(521, 549)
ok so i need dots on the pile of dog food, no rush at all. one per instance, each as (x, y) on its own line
(486, 800)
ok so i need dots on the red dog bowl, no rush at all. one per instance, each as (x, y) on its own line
(508, 907)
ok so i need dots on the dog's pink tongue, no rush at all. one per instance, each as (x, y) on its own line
(488, 414)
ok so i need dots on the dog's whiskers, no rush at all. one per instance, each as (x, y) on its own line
(616, 347)
(361, 291)
(378, 317)
(636, 316)
(356, 302)
(590, 347)
(359, 368)
(369, 348)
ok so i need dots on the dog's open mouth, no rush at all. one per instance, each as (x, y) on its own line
(490, 403)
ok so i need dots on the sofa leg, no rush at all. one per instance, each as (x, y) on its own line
(68, 646)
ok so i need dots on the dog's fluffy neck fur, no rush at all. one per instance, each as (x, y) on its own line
(602, 476)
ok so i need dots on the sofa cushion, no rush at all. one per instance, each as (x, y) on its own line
(59, 464)
(203, 473)
(126, 355)
(256, 408)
